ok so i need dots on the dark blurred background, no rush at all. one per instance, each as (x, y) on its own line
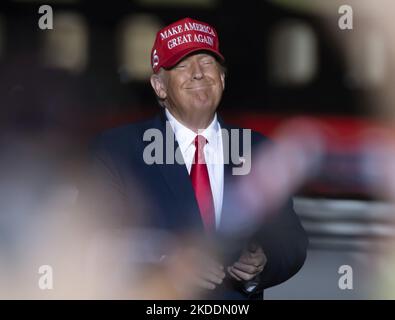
(279, 57)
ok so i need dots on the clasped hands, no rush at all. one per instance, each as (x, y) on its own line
(206, 273)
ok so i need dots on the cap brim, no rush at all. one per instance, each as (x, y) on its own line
(183, 53)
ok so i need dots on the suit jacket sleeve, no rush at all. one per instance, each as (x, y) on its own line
(284, 243)
(103, 195)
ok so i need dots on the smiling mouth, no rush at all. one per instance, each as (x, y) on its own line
(198, 88)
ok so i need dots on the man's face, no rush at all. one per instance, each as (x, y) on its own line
(193, 88)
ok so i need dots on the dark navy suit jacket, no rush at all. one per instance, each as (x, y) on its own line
(161, 196)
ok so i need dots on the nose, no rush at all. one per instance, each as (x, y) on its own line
(197, 72)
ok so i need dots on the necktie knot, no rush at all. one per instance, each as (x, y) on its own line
(200, 142)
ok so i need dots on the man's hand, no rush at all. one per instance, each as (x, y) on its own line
(210, 274)
(191, 270)
(250, 264)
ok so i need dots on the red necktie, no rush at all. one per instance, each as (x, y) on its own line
(201, 185)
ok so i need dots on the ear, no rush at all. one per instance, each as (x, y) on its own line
(223, 80)
(159, 86)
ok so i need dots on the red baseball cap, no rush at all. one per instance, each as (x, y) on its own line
(181, 38)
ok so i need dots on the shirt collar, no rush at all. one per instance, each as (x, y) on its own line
(186, 136)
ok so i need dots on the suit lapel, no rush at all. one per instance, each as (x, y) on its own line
(178, 181)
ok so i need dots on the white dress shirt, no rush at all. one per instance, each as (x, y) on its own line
(213, 153)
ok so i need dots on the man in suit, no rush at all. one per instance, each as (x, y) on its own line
(181, 163)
